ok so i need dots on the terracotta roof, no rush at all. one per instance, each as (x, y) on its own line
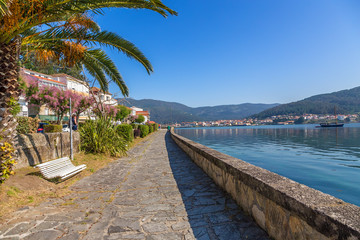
(25, 69)
(47, 79)
(95, 90)
(142, 113)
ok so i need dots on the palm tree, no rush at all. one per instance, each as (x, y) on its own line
(19, 16)
(72, 43)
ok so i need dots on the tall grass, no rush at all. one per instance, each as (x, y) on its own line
(100, 136)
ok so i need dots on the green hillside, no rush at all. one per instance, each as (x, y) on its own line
(171, 112)
(345, 102)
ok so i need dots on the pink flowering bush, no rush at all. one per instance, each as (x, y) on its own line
(80, 104)
(56, 99)
(104, 110)
(35, 94)
(59, 102)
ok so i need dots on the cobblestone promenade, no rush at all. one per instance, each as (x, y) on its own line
(154, 193)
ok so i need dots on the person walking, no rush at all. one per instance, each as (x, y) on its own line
(74, 123)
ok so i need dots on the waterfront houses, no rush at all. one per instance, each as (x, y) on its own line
(273, 120)
(135, 111)
(63, 82)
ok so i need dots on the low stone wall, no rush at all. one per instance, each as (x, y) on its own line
(41, 147)
(282, 207)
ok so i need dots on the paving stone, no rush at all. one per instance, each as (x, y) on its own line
(156, 192)
(228, 231)
(201, 233)
(44, 235)
(44, 226)
(219, 218)
(128, 236)
(165, 236)
(157, 207)
(6, 227)
(72, 236)
(180, 226)
(155, 227)
(58, 218)
(116, 229)
(20, 229)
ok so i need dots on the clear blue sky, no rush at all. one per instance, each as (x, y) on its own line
(237, 51)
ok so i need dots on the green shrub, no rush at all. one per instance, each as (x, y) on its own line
(126, 131)
(140, 119)
(144, 130)
(155, 126)
(151, 129)
(51, 128)
(27, 125)
(100, 136)
(134, 126)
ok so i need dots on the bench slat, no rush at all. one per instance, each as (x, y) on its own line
(61, 167)
(59, 172)
(49, 168)
(52, 162)
(65, 172)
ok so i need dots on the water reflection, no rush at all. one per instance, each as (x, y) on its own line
(323, 158)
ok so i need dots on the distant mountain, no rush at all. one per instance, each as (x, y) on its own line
(230, 112)
(171, 112)
(345, 102)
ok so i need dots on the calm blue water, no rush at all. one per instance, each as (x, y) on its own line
(322, 158)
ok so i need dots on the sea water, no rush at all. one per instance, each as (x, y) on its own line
(327, 159)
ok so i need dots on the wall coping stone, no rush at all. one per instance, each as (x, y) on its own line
(327, 214)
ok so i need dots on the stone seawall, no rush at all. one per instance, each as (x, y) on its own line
(282, 207)
(41, 147)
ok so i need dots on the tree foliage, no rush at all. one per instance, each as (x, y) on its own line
(122, 112)
(345, 102)
(140, 119)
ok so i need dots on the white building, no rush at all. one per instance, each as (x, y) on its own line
(104, 97)
(43, 79)
(24, 110)
(72, 83)
(135, 111)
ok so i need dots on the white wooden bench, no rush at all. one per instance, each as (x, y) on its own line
(62, 168)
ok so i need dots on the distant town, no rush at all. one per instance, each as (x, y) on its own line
(274, 120)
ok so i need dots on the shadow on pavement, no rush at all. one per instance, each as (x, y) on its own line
(212, 213)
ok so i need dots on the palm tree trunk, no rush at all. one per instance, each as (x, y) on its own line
(9, 89)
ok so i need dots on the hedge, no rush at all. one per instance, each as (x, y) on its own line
(151, 129)
(144, 130)
(155, 126)
(126, 131)
(51, 128)
(27, 125)
(134, 126)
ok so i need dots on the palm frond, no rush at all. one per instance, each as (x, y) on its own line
(30, 13)
(103, 38)
(97, 72)
(3, 8)
(100, 58)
